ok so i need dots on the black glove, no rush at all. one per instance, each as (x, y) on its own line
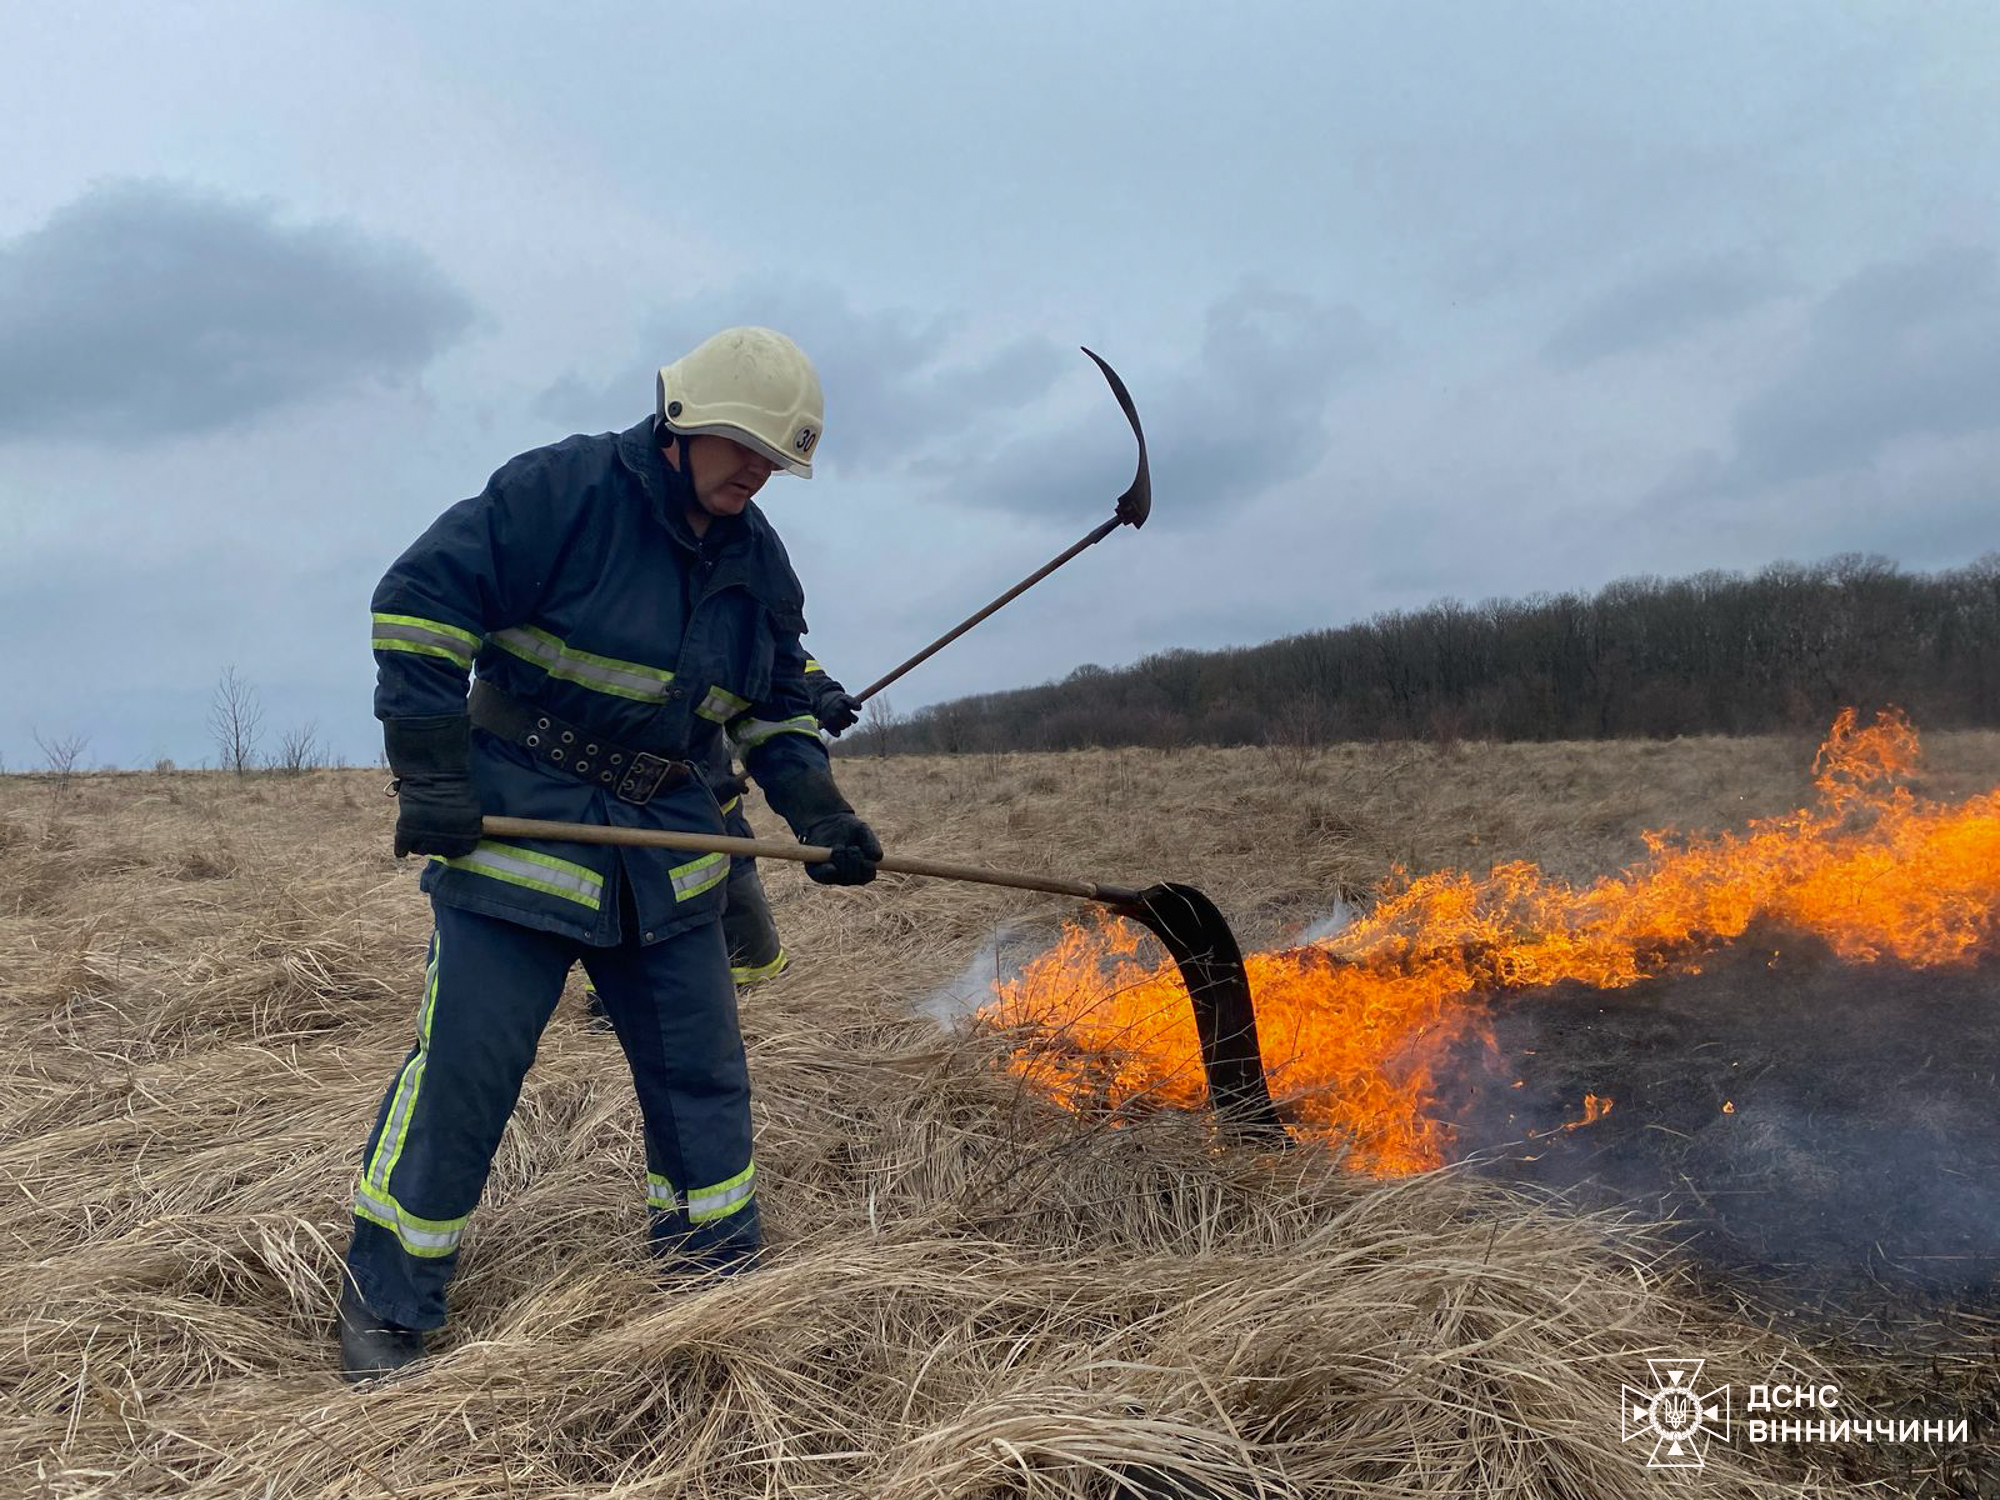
(854, 845)
(837, 712)
(833, 706)
(812, 804)
(437, 811)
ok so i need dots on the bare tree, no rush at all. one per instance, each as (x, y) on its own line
(299, 749)
(61, 753)
(950, 726)
(883, 721)
(1295, 733)
(235, 722)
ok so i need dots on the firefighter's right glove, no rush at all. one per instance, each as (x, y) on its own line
(807, 799)
(854, 845)
(437, 811)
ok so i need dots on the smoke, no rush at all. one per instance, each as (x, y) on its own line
(1329, 926)
(1010, 948)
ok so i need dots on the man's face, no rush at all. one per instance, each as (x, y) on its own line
(725, 474)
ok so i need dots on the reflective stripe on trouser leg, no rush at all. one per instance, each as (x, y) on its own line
(489, 990)
(755, 951)
(675, 1011)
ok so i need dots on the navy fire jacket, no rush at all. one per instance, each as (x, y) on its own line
(573, 580)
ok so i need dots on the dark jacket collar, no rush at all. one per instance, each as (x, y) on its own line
(665, 488)
(748, 551)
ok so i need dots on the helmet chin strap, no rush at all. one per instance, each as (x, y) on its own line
(699, 516)
(682, 467)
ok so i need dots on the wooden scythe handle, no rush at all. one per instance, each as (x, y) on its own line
(716, 843)
(1009, 597)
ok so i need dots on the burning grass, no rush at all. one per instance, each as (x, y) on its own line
(202, 993)
(1352, 1028)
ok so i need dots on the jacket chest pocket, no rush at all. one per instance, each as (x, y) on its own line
(745, 648)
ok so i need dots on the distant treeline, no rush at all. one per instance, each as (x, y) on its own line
(1715, 653)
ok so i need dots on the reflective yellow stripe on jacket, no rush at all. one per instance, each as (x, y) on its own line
(606, 674)
(533, 869)
(423, 637)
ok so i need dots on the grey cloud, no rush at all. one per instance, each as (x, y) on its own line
(1657, 307)
(895, 382)
(148, 309)
(1904, 349)
(1249, 412)
(1928, 505)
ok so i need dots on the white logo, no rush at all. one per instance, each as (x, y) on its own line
(1677, 1414)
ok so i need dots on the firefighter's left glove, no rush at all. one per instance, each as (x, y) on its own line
(437, 811)
(809, 801)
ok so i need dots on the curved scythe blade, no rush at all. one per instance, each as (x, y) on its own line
(1137, 502)
(1198, 939)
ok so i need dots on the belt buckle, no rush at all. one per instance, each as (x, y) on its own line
(644, 778)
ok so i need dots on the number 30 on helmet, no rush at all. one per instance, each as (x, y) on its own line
(752, 385)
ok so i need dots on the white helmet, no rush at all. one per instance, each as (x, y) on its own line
(753, 385)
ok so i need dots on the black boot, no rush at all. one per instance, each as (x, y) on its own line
(372, 1346)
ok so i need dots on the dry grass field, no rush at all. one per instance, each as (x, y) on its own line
(205, 984)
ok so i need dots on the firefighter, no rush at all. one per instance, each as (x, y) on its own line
(626, 607)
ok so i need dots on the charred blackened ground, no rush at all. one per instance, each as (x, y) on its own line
(1828, 1132)
(1825, 1139)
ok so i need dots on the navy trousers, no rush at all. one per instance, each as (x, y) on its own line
(489, 989)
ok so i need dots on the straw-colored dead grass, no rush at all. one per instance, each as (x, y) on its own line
(205, 984)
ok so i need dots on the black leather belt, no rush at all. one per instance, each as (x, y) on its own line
(630, 774)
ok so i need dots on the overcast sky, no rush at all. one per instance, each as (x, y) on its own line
(1416, 300)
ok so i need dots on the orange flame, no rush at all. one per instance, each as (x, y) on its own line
(1352, 1028)
(1595, 1108)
